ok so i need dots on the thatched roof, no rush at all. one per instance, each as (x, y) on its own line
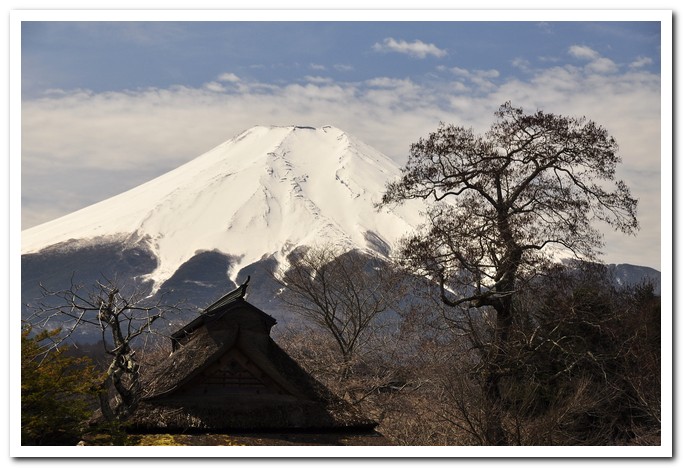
(217, 311)
(228, 374)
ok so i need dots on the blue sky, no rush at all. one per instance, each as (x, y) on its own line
(109, 105)
(131, 55)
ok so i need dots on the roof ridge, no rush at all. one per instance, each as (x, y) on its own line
(232, 296)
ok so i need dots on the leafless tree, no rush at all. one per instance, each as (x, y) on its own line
(119, 318)
(343, 293)
(503, 204)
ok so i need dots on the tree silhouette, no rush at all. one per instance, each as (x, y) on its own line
(504, 204)
(342, 293)
(121, 317)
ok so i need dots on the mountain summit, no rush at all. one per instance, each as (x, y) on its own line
(258, 195)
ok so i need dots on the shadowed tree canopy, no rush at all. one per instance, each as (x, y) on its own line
(506, 200)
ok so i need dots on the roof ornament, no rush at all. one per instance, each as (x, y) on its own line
(232, 296)
(243, 288)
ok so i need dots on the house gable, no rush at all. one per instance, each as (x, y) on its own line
(231, 375)
(226, 373)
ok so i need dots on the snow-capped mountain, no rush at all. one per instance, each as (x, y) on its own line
(238, 210)
(261, 193)
(255, 197)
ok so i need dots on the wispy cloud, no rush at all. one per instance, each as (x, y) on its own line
(521, 64)
(151, 33)
(475, 73)
(416, 48)
(597, 63)
(229, 77)
(343, 67)
(641, 62)
(482, 79)
(545, 27)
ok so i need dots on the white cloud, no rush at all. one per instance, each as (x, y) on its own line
(343, 67)
(126, 138)
(487, 73)
(458, 87)
(215, 87)
(545, 27)
(416, 48)
(549, 59)
(386, 82)
(641, 62)
(521, 64)
(397, 94)
(316, 66)
(229, 77)
(54, 91)
(492, 73)
(480, 78)
(461, 72)
(597, 63)
(602, 65)
(583, 52)
(318, 79)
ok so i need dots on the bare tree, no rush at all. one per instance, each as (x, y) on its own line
(342, 293)
(120, 318)
(503, 203)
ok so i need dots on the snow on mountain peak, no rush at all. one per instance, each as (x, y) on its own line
(261, 193)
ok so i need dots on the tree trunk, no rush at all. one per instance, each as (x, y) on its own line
(498, 357)
(495, 433)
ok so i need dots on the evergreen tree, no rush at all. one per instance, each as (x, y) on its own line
(57, 392)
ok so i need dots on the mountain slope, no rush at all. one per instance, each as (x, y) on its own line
(258, 195)
(629, 275)
(238, 210)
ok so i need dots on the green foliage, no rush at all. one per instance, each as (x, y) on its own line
(56, 392)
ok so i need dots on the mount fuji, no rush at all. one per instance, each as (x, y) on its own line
(238, 210)
(241, 208)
